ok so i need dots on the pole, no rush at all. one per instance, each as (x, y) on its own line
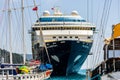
(41, 35)
(24, 52)
(113, 49)
(10, 36)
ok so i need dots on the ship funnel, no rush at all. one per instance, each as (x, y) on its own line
(46, 13)
(74, 13)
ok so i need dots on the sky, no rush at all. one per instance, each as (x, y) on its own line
(91, 10)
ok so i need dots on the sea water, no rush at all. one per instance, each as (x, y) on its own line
(80, 76)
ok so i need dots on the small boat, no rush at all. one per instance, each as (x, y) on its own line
(21, 72)
(109, 69)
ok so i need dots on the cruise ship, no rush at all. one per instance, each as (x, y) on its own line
(68, 39)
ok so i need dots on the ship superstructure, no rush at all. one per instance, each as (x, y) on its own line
(68, 39)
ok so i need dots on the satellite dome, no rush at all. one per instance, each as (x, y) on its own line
(46, 13)
(74, 13)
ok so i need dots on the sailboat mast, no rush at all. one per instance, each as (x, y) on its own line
(24, 52)
(41, 35)
(10, 36)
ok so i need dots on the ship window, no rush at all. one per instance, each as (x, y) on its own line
(44, 28)
(53, 28)
(54, 37)
(89, 37)
(65, 28)
(15, 78)
(65, 36)
(70, 36)
(61, 28)
(19, 77)
(60, 36)
(82, 28)
(23, 77)
(72, 28)
(75, 28)
(37, 28)
(37, 76)
(58, 28)
(68, 27)
(74, 20)
(93, 29)
(88, 28)
(49, 28)
(76, 36)
(27, 76)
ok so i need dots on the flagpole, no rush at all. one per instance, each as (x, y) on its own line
(41, 34)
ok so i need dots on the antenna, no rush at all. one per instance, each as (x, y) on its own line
(57, 11)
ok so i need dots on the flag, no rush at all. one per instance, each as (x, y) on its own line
(35, 8)
(116, 31)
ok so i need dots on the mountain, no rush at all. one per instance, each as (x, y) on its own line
(17, 58)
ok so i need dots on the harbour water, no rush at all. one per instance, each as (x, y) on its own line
(80, 76)
(70, 77)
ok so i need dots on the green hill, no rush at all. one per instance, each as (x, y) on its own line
(17, 58)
